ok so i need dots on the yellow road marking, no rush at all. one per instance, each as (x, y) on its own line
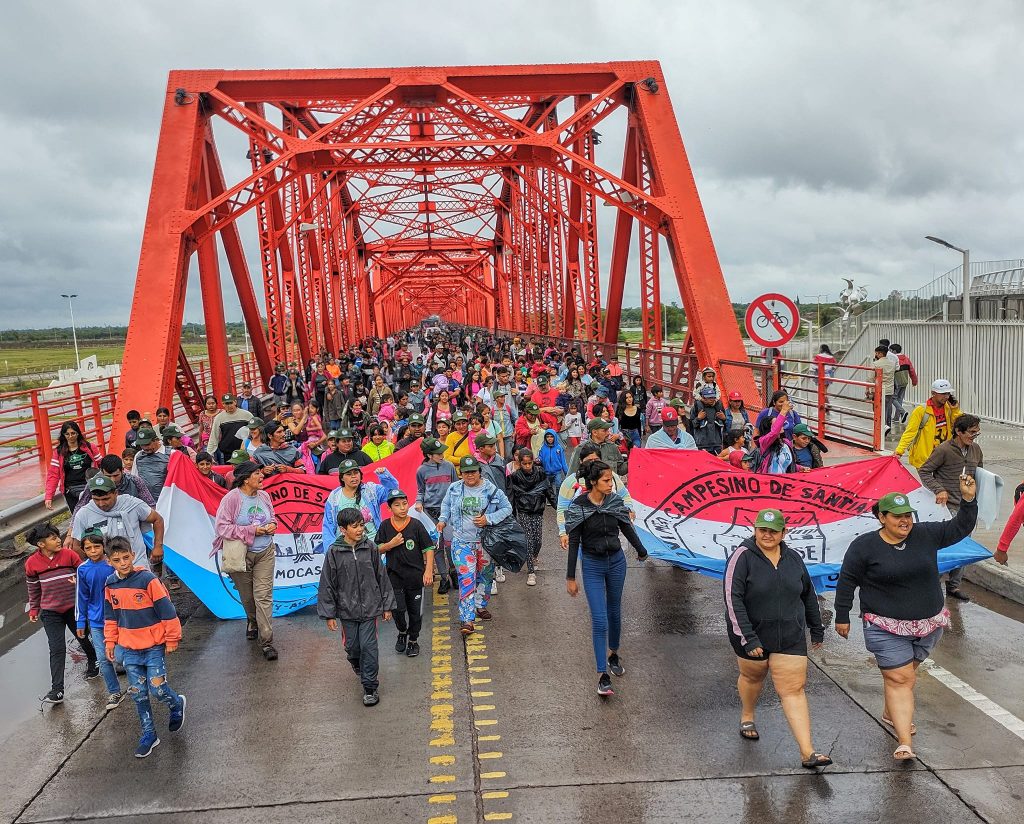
(443, 741)
(481, 694)
(477, 681)
(443, 760)
(443, 779)
(497, 816)
(489, 755)
(491, 794)
(496, 774)
(483, 707)
(479, 669)
(485, 722)
(443, 819)
(442, 798)
(488, 738)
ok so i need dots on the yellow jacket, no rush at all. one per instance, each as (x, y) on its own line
(921, 432)
(453, 454)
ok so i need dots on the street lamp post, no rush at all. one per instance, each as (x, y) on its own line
(74, 333)
(966, 349)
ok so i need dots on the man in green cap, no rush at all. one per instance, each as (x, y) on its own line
(150, 465)
(414, 432)
(807, 449)
(224, 432)
(118, 515)
(599, 429)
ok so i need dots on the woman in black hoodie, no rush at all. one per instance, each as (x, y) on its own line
(529, 492)
(770, 603)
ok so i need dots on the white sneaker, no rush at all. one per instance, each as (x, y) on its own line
(499, 575)
(531, 580)
(494, 586)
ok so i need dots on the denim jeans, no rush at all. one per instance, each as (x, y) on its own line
(106, 668)
(555, 482)
(603, 580)
(144, 668)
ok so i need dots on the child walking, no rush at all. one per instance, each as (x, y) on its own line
(139, 616)
(355, 589)
(529, 491)
(92, 580)
(572, 425)
(50, 578)
(552, 459)
(410, 563)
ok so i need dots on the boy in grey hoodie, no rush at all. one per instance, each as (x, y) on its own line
(355, 590)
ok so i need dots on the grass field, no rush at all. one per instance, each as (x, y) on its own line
(19, 361)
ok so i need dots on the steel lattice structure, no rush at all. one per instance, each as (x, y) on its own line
(381, 196)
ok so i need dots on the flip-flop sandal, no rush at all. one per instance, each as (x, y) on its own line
(904, 753)
(888, 723)
(748, 730)
(815, 760)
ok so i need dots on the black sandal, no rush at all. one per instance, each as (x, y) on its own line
(748, 730)
(816, 760)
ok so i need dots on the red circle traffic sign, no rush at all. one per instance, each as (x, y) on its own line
(772, 320)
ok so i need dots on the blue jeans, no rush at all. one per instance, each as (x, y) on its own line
(555, 482)
(106, 668)
(633, 435)
(145, 667)
(603, 579)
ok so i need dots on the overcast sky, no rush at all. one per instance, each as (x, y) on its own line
(827, 138)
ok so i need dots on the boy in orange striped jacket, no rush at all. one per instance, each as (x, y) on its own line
(139, 616)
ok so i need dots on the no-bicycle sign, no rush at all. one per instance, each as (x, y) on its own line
(772, 320)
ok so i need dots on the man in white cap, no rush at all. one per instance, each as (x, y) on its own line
(930, 424)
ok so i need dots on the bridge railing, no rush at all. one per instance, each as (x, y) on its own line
(30, 419)
(844, 406)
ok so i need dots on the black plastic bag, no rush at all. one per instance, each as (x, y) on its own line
(506, 544)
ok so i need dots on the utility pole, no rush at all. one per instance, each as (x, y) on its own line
(74, 333)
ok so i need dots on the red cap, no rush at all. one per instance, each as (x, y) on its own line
(669, 414)
(735, 396)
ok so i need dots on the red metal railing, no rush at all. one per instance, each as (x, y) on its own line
(30, 420)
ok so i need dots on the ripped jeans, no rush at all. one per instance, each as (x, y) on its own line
(146, 667)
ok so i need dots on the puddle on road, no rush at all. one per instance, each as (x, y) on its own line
(25, 663)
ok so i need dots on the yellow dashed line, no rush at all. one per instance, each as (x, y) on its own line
(496, 774)
(443, 779)
(481, 694)
(443, 760)
(477, 681)
(492, 794)
(443, 741)
(483, 707)
(489, 755)
(479, 669)
(497, 816)
(488, 738)
(443, 819)
(442, 798)
(484, 722)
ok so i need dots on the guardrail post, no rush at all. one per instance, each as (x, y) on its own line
(822, 399)
(97, 422)
(877, 409)
(79, 411)
(42, 420)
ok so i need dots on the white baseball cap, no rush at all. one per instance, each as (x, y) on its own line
(942, 386)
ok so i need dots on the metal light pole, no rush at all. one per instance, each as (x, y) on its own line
(966, 349)
(74, 333)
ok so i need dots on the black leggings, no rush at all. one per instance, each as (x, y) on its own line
(410, 606)
(55, 624)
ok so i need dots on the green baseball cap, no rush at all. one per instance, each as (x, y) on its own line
(895, 503)
(677, 403)
(344, 433)
(395, 494)
(432, 446)
(171, 430)
(347, 465)
(598, 423)
(483, 439)
(256, 423)
(145, 435)
(469, 464)
(332, 435)
(459, 417)
(532, 407)
(239, 456)
(415, 418)
(102, 484)
(227, 397)
(770, 519)
(803, 429)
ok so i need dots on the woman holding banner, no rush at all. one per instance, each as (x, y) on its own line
(246, 514)
(901, 599)
(770, 603)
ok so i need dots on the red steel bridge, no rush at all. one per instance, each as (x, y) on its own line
(367, 199)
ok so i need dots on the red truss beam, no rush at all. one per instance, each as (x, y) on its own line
(380, 195)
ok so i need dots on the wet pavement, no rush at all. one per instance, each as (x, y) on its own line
(509, 728)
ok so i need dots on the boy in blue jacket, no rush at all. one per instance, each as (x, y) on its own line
(92, 576)
(552, 458)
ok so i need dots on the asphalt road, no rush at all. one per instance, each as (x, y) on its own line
(509, 726)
